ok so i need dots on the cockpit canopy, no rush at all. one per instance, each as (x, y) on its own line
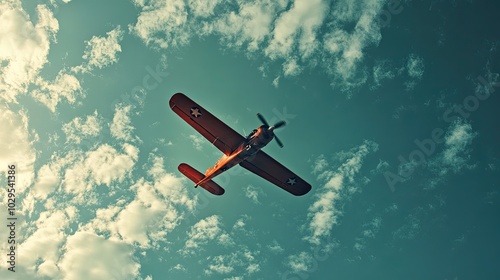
(251, 134)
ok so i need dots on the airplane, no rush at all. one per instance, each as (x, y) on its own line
(245, 151)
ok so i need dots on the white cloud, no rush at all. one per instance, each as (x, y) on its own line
(252, 24)
(291, 68)
(201, 232)
(344, 49)
(42, 248)
(359, 246)
(381, 167)
(151, 215)
(239, 224)
(101, 51)
(102, 221)
(369, 231)
(147, 219)
(320, 164)
(206, 230)
(323, 213)
(225, 240)
(253, 193)
(459, 136)
(302, 21)
(46, 182)
(162, 23)
(252, 268)
(415, 66)
(121, 127)
(275, 247)
(411, 225)
(23, 46)
(78, 129)
(375, 224)
(300, 262)
(219, 266)
(242, 259)
(381, 71)
(170, 186)
(103, 165)
(40, 244)
(202, 8)
(456, 153)
(51, 93)
(89, 256)
(485, 84)
(276, 82)
(107, 165)
(17, 146)
(406, 169)
(277, 30)
(179, 267)
(197, 141)
(50, 178)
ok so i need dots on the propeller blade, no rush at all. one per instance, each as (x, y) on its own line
(261, 118)
(279, 124)
(278, 141)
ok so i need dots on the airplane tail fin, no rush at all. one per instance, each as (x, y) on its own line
(196, 176)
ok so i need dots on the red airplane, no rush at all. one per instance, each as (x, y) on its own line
(245, 151)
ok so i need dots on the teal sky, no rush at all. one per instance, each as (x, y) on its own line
(392, 117)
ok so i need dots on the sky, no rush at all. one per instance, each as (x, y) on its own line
(392, 117)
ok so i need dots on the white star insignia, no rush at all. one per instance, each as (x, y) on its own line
(291, 181)
(195, 112)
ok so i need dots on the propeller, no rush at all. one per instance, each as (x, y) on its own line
(278, 141)
(278, 125)
(273, 127)
(261, 118)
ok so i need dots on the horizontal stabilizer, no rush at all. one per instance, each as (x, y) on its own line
(196, 176)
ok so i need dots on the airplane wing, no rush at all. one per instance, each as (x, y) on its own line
(268, 168)
(217, 132)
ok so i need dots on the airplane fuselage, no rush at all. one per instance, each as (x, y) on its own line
(257, 140)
